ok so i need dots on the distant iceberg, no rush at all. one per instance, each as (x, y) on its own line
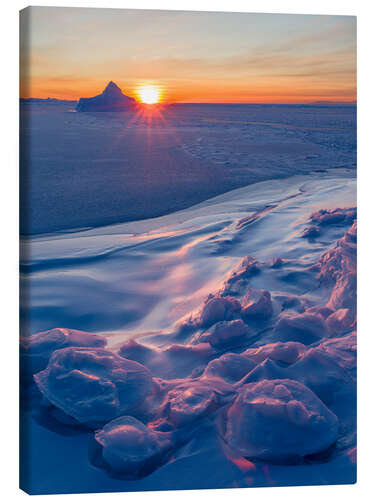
(111, 99)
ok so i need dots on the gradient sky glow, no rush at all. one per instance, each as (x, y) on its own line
(193, 56)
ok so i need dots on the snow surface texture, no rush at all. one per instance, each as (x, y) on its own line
(134, 166)
(224, 352)
(284, 402)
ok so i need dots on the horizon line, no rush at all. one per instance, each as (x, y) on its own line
(316, 102)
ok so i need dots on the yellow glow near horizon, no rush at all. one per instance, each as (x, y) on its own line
(149, 94)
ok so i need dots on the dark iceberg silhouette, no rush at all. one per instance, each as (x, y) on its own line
(111, 99)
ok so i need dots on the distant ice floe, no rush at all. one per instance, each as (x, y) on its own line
(279, 420)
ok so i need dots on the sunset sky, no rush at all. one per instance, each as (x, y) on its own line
(192, 56)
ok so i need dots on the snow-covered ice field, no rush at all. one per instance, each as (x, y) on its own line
(212, 345)
(90, 169)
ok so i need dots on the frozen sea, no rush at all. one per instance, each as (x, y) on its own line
(186, 240)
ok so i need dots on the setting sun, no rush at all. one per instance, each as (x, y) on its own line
(149, 94)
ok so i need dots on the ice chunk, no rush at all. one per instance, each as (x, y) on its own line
(257, 304)
(173, 361)
(231, 367)
(135, 351)
(247, 268)
(188, 403)
(319, 371)
(339, 260)
(218, 309)
(322, 310)
(340, 321)
(306, 327)
(131, 449)
(93, 384)
(279, 420)
(343, 350)
(191, 400)
(311, 232)
(344, 293)
(225, 332)
(36, 350)
(334, 216)
(338, 267)
(287, 352)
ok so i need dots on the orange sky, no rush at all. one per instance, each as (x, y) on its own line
(70, 53)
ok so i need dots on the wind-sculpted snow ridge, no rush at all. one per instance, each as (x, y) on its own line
(269, 374)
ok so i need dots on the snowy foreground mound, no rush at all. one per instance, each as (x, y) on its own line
(271, 376)
(93, 384)
(131, 448)
(278, 420)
